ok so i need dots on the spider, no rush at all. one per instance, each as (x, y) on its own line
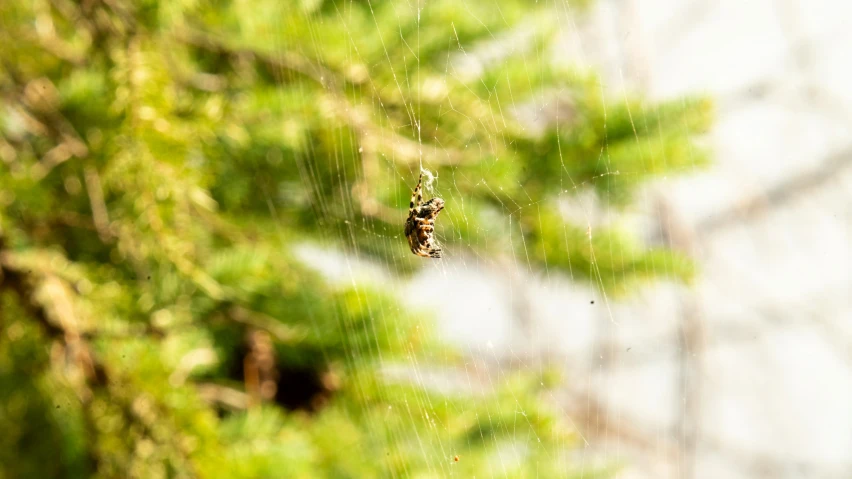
(420, 225)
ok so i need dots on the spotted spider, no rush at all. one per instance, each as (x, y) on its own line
(420, 225)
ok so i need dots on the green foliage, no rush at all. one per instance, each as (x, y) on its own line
(160, 161)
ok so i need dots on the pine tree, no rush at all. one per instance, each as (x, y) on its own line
(162, 160)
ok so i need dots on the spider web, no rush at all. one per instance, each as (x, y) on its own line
(168, 165)
(507, 311)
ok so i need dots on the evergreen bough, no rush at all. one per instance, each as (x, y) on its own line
(161, 161)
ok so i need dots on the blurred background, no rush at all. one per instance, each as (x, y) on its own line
(646, 238)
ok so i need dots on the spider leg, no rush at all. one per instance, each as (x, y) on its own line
(416, 196)
(432, 214)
